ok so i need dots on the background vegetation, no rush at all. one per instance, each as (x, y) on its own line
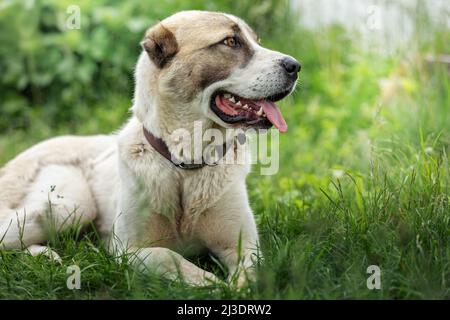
(364, 172)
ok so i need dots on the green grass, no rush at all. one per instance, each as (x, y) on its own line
(364, 180)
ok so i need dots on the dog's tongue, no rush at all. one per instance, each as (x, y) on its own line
(273, 114)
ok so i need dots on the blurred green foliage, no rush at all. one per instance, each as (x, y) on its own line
(60, 73)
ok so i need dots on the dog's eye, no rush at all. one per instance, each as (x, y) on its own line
(231, 42)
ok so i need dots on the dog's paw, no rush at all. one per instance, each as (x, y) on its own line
(36, 250)
(239, 281)
(202, 279)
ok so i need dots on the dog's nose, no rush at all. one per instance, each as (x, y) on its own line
(291, 66)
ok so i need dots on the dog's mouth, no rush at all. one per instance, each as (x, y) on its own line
(259, 113)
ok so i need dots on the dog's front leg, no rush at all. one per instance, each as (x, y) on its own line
(228, 229)
(160, 261)
(155, 259)
(170, 265)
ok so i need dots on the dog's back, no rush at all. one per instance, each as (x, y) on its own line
(52, 176)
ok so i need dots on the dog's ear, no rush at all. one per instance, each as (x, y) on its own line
(160, 44)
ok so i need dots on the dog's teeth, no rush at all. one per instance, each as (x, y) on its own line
(227, 95)
(260, 112)
(245, 106)
(232, 99)
(239, 104)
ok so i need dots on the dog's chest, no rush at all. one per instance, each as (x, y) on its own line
(173, 194)
(175, 200)
(168, 200)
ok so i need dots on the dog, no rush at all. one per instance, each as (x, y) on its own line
(195, 67)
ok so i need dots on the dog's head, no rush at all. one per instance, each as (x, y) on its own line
(209, 66)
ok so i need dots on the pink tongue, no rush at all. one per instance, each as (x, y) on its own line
(273, 114)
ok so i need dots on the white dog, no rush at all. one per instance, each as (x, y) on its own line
(195, 66)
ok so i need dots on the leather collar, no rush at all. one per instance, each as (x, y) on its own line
(159, 145)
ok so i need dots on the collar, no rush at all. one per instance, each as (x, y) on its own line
(159, 145)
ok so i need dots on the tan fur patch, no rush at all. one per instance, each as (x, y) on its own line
(202, 58)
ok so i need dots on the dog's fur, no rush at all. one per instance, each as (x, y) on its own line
(140, 202)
